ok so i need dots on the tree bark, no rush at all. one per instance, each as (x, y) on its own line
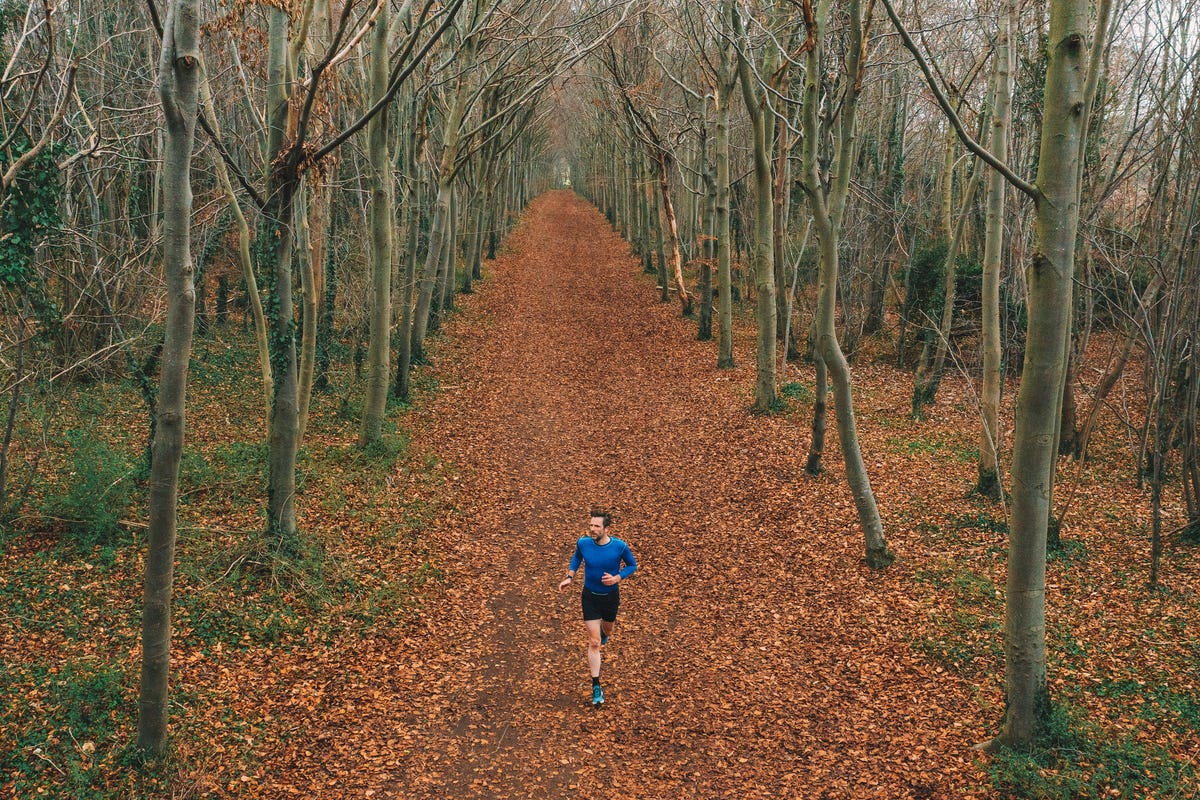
(1069, 435)
(707, 235)
(179, 79)
(929, 375)
(989, 484)
(315, 222)
(827, 214)
(273, 246)
(380, 171)
(672, 230)
(779, 221)
(726, 85)
(439, 229)
(659, 240)
(1049, 276)
(412, 213)
(765, 397)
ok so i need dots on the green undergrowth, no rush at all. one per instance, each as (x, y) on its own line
(1156, 703)
(982, 524)
(76, 737)
(964, 637)
(1120, 752)
(71, 581)
(797, 392)
(1074, 758)
(935, 445)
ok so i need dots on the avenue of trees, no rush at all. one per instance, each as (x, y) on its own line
(992, 185)
(988, 187)
(356, 161)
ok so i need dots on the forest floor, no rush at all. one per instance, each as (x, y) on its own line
(755, 655)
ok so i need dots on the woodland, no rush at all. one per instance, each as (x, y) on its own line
(326, 322)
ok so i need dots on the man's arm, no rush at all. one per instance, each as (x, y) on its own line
(630, 564)
(576, 560)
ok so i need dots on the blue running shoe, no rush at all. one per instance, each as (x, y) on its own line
(597, 695)
(603, 637)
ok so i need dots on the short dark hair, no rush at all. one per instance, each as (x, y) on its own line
(604, 515)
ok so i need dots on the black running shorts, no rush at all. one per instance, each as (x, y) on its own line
(601, 606)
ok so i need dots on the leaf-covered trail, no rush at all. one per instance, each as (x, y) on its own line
(755, 655)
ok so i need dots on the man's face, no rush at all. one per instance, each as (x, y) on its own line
(596, 528)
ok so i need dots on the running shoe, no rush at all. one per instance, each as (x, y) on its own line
(597, 695)
(603, 637)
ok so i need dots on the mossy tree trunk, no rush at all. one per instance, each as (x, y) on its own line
(380, 185)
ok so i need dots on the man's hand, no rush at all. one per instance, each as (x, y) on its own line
(564, 583)
(610, 580)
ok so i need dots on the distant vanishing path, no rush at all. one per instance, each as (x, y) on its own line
(753, 656)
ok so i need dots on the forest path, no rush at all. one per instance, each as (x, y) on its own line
(755, 656)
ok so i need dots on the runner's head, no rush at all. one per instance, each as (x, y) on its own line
(598, 525)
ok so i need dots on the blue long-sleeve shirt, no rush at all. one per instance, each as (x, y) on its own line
(601, 558)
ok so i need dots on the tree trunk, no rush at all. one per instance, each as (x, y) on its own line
(779, 217)
(273, 246)
(659, 243)
(441, 214)
(827, 213)
(989, 484)
(312, 283)
(329, 277)
(433, 263)
(412, 213)
(671, 228)
(1049, 278)
(632, 204)
(1069, 434)
(765, 397)
(472, 269)
(380, 171)
(453, 251)
(708, 250)
(179, 78)
(726, 84)
(789, 334)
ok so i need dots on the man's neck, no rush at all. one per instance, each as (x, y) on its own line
(603, 540)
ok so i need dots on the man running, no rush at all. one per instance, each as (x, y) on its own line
(602, 556)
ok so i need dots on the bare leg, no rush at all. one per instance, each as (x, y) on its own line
(607, 627)
(593, 629)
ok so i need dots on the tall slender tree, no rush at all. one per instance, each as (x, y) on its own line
(826, 207)
(989, 484)
(179, 89)
(378, 349)
(757, 99)
(1055, 195)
